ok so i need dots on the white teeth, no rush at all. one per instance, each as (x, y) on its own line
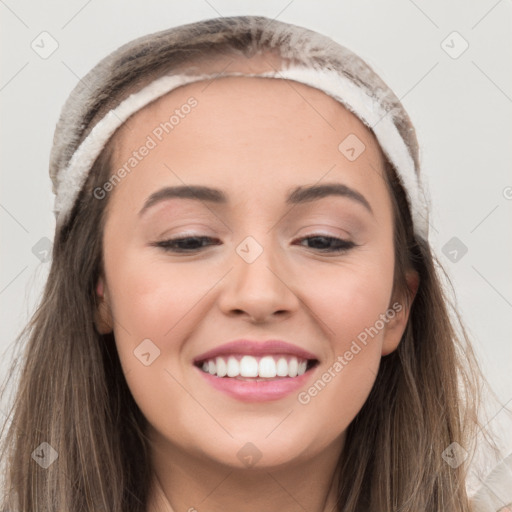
(266, 367)
(248, 367)
(292, 367)
(233, 368)
(282, 367)
(222, 368)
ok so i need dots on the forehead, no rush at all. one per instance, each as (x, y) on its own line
(265, 131)
(224, 106)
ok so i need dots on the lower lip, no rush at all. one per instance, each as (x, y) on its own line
(257, 391)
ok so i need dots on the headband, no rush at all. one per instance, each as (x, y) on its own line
(353, 97)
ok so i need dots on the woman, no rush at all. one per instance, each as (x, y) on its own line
(243, 311)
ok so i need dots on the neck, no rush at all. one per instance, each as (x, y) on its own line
(184, 483)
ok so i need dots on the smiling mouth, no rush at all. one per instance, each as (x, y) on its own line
(255, 368)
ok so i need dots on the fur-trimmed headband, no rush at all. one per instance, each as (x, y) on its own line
(147, 68)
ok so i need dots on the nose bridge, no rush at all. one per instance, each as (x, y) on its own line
(257, 283)
(254, 263)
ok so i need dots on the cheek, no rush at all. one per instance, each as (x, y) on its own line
(150, 297)
(348, 303)
(349, 298)
(154, 299)
(161, 302)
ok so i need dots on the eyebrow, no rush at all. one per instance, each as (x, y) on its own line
(299, 195)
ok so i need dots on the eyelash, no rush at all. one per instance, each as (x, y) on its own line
(171, 244)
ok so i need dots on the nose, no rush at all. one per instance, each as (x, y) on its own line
(259, 290)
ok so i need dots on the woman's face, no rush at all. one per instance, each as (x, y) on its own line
(295, 243)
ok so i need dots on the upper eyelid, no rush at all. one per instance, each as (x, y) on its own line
(322, 225)
(313, 234)
(307, 208)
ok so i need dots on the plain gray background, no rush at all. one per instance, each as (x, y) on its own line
(460, 102)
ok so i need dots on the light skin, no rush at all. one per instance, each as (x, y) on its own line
(256, 140)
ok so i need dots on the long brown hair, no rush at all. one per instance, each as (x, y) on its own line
(71, 392)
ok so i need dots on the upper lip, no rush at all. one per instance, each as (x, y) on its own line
(256, 348)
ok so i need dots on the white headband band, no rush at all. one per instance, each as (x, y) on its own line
(353, 97)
